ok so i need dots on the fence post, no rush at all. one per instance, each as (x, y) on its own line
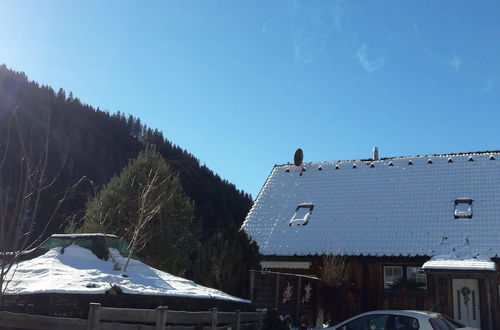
(94, 317)
(214, 318)
(161, 317)
(261, 324)
(238, 320)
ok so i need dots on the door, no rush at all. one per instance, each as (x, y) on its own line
(466, 301)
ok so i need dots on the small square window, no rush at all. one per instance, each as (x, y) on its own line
(417, 274)
(391, 275)
(302, 214)
(463, 208)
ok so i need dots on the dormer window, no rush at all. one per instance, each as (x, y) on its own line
(463, 208)
(302, 214)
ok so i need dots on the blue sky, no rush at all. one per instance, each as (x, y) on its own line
(242, 84)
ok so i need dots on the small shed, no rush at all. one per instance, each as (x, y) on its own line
(67, 272)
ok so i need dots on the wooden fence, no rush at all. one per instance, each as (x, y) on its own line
(108, 318)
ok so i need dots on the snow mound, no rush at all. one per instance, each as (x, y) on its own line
(77, 270)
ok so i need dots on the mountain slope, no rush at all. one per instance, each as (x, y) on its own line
(86, 142)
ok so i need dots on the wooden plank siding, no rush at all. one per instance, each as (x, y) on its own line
(367, 290)
(364, 291)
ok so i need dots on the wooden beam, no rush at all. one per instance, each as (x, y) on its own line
(299, 288)
(161, 317)
(252, 281)
(277, 293)
(94, 317)
(214, 318)
(488, 302)
(238, 320)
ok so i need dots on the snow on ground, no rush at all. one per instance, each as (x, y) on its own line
(77, 270)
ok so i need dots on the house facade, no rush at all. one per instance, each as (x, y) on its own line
(420, 232)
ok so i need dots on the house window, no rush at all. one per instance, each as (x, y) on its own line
(391, 275)
(416, 274)
(302, 214)
(463, 208)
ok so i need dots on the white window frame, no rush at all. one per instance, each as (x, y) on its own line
(418, 276)
(297, 220)
(390, 279)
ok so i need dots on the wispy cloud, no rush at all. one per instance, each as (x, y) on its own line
(411, 32)
(337, 14)
(456, 62)
(488, 87)
(369, 65)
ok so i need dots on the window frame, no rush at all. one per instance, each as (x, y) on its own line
(461, 214)
(305, 219)
(385, 284)
(404, 275)
(420, 272)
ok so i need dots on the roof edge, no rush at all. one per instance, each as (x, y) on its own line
(467, 153)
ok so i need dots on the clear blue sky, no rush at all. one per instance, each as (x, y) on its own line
(242, 84)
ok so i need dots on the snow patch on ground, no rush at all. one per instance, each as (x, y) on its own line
(77, 270)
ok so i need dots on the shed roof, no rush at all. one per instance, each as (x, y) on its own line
(402, 206)
(74, 269)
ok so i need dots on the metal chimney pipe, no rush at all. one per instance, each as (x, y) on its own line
(375, 153)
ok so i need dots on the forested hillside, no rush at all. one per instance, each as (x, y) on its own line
(84, 142)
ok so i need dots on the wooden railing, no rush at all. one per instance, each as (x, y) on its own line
(108, 318)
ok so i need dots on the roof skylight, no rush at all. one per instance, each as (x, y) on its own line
(463, 208)
(302, 214)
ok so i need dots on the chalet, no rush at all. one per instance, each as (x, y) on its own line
(420, 232)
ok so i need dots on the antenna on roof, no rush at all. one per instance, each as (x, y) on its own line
(375, 153)
(298, 157)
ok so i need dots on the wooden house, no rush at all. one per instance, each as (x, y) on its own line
(420, 232)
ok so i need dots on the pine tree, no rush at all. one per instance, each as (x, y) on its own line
(119, 207)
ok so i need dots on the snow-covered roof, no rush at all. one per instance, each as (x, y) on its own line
(75, 269)
(85, 235)
(454, 264)
(402, 206)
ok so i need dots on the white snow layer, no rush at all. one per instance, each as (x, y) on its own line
(77, 270)
(454, 264)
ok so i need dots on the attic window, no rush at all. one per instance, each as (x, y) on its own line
(302, 214)
(463, 208)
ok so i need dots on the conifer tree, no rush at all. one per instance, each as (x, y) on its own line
(120, 208)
